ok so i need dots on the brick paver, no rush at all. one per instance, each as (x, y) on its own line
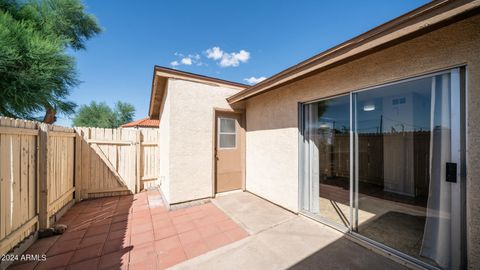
(133, 232)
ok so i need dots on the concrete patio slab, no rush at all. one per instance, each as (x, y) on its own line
(283, 241)
(253, 213)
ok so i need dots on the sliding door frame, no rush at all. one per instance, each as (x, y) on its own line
(457, 90)
(301, 165)
(459, 116)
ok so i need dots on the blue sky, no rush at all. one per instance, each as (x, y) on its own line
(252, 39)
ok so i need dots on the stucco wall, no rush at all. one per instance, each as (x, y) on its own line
(164, 133)
(272, 124)
(191, 137)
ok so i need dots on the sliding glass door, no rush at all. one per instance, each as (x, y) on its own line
(386, 163)
(326, 148)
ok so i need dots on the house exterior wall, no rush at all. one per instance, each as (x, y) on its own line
(190, 129)
(272, 117)
(164, 142)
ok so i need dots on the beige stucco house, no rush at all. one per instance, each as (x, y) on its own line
(376, 137)
(186, 105)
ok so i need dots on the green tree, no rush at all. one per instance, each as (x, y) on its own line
(123, 113)
(101, 115)
(36, 73)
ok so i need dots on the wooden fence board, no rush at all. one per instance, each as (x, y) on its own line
(32, 178)
(24, 177)
(4, 188)
(17, 181)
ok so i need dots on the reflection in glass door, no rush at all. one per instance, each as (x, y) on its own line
(407, 138)
(326, 148)
(397, 179)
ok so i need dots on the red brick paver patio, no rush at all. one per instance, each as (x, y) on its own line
(133, 232)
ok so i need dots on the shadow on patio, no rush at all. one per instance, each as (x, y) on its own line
(345, 254)
(132, 232)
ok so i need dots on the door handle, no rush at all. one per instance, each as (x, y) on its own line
(451, 172)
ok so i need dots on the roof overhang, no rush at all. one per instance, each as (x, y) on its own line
(160, 83)
(414, 23)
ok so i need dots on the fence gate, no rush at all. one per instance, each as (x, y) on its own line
(117, 161)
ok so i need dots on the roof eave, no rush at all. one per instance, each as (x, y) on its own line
(152, 92)
(168, 73)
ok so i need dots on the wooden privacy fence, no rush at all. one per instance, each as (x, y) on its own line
(18, 181)
(115, 161)
(36, 177)
(46, 168)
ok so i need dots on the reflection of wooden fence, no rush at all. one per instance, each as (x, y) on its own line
(45, 168)
(382, 158)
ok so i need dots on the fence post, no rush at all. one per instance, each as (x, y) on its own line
(138, 151)
(78, 165)
(43, 219)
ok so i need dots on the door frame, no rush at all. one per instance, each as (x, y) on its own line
(242, 131)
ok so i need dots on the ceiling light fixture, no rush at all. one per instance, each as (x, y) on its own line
(368, 107)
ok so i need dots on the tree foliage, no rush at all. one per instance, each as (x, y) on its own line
(102, 116)
(36, 73)
(123, 113)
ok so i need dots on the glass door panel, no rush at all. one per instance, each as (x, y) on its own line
(326, 159)
(404, 198)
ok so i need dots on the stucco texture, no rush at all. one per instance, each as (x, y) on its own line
(188, 164)
(164, 133)
(272, 117)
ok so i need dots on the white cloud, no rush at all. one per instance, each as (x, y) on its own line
(227, 59)
(254, 80)
(223, 59)
(214, 53)
(234, 59)
(186, 61)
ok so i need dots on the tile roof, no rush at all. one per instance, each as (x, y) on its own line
(145, 122)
